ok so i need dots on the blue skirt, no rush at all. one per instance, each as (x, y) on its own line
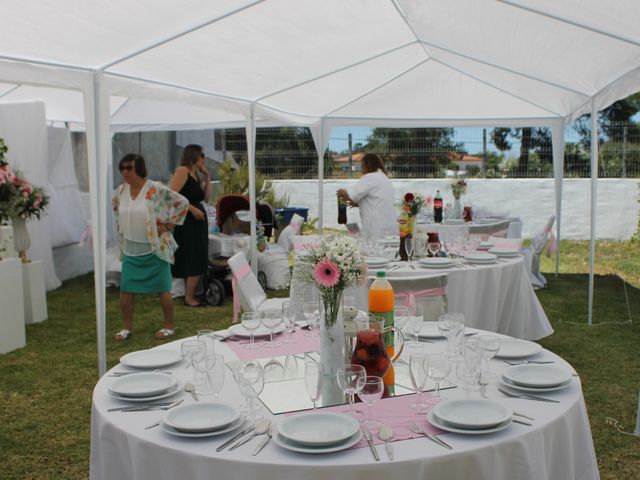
(145, 274)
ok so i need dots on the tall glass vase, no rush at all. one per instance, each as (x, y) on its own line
(21, 240)
(331, 334)
(456, 211)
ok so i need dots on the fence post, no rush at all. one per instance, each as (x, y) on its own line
(484, 152)
(350, 156)
(624, 151)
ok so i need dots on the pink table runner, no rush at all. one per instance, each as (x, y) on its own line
(303, 344)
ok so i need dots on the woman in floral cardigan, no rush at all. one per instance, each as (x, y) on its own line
(146, 212)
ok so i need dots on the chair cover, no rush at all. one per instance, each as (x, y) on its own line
(532, 254)
(430, 292)
(291, 230)
(497, 229)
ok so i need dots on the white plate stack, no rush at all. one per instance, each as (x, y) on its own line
(153, 358)
(318, 433)
(144, 387)
(532, 378)
(376, 263)
(436, 262)
(470, 416)
(202, 420)
(481, 258)
(505, 252)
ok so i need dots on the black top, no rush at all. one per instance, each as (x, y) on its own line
(192, 190)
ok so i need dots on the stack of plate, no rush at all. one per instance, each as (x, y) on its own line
(515, 348)
(144, 387)
(454, 221)
(485, 245)
(318, 433)
(505, 252)
(481, 258)
(376, 263)
(148, 359)
(535, 378)
(436, 262)
(470, 416)
(202, 420)
(261, 331)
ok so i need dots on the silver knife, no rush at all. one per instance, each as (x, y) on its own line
(367, 436)
(235, 437)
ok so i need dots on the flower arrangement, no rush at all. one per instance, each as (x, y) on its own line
(412, 203)
(459, 188)
(18, 198)
(332, 265)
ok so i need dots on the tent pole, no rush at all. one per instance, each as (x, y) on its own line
(557, 135)
(594, 180)
(320, 150)
(250, 131)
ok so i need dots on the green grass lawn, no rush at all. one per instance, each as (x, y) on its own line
(46, 387)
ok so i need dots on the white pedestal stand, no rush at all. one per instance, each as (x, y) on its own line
(12, 330)
(35, 297)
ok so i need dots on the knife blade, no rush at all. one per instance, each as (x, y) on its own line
(235, 437)
(367, 437)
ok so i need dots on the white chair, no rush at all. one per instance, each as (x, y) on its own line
(247, 292)
(288, 232)
(532, 254)
(301, 242)
(497, 229)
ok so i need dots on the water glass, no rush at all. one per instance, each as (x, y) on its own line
(313, 379)
(289, 321)
(351, 379)
(204, 364)
(416, 318)
(370, 393)
(251, 322)
(271, 319)
(453, 325)
(215, 376)
(311, 311)
(251, 383)
(418, 369)
(490, 345)
(191, 348)
(439, 368)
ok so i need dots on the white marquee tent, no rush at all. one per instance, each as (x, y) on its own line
(393, 63)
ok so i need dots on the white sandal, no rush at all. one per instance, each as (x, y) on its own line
(165, 332)
(123, 334)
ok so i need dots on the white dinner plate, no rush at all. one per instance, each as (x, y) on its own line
(481, 258)
(520, 388)
(153, 358)
(201, 417)
(485, 246)
(505, 251)
(376, 260)
(536, 376)
(430, 330)
(240, 422)
(318, 429)
(454, 221)
(143, 384)
(436, 422)
(172, 391)
(472, 413)
(515, 348)
(435, 262)
(294, 447)
(262, 331)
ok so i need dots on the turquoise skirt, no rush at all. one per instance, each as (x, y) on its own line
(145, 274)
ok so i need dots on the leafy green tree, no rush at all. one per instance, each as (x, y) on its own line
(236, 180)
(536, 140)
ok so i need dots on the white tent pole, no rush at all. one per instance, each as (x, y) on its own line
(557, 141)
(96, 118)
(594, 181)
(250, 131)
(320, 149)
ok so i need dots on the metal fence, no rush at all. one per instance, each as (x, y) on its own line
(289, 153)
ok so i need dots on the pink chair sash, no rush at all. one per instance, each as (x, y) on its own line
(237, 276)
(553, 242)
(411, 295)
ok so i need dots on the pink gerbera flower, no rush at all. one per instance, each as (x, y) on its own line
(327, 273)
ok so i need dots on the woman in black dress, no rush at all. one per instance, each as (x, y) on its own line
(191, 180)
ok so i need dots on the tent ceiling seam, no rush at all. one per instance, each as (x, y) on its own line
(383, 84)
(571, 22)
(491, 85)
(410, 27)
(115, 112)
(46, 63)
(457, 122)
(341, 69)
(503, 68)
(12, 89)
(178, 35)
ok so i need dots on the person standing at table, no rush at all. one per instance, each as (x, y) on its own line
(145, 213)
(191, 179)
(374, 195)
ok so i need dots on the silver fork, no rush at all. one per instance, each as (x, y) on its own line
(164, 407)
(155, 424)
(523, 362)
(416, 429)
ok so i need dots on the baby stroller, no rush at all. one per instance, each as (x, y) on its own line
(217, 280)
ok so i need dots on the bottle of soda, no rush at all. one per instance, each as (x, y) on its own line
(381, 303)
(342, 211)
(437, 207)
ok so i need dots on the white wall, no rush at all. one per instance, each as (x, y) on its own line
(530, 199)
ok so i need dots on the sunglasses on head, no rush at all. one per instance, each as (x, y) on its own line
(127, 168)
(202, 155)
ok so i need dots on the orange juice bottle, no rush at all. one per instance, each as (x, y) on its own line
(381, 305)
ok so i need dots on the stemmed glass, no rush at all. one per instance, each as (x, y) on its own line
(216, 376)
(433, 248)
(371, 392)
(415, 324)
(289, 321)
(313, 379)
(251, 322)
(351, 379)
(453, 325)
(408, 247)
(311, 312)
(207, 336)
(251, 382)
(418, 369)
(490, 345)
(204, 364)
(271, 318)
(191, 348)
(439, 368)
(400, 316)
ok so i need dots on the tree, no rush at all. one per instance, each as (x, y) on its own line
(536, 140)
(609, 120)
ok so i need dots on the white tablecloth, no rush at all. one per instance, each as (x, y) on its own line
(497, 297)
(557, 447)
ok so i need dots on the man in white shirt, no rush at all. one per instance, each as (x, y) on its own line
(374, 195)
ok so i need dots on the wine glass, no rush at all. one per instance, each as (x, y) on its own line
(433, 248)
(311, 312)
(188, 349)
(215, 376)
(289, 321)
(251, 382)
(203, 364)
(313, 379)
(251, 322)
(370, 393)
(416, 318)
(271, 318)
(490, 345)
(453, 324)
(439, 368)
(351, 379)
(207, 336)
(400, 316)
(408, 247)
(418, 368)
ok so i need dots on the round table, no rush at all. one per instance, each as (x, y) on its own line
(557, 446)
